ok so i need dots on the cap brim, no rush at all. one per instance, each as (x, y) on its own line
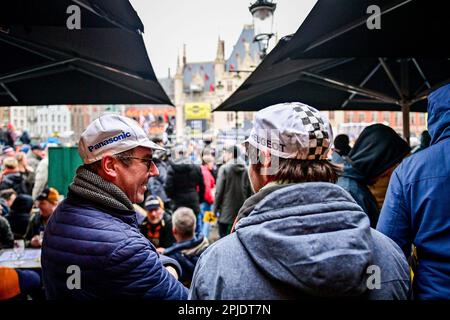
(151, 145)
(152, 207)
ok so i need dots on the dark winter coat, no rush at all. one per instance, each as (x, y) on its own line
(19, 216)
(184, 184)
(376, 150)
(159, 235)
(115, 259)
(232, 189)
(187, 254)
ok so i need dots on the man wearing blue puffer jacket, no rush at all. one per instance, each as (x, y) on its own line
(416, 209)
(92, 246)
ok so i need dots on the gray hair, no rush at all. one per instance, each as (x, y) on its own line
(184, 221)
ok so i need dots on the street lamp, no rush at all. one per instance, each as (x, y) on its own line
(262, 12)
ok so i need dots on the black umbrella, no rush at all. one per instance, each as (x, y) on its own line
(42, 62)
(353, 68)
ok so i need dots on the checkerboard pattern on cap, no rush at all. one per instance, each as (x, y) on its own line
(319, 139)
(292, 130)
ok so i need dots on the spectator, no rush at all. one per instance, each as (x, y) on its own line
(210, 183)
(416, 209)
(341, 148)
(184, 184)
(300, 235)
(26, 171)
(40, 178)
(425, 140)
(117, 156)
(156, 184)
(232, 189)
(157, 227)
(10, 135)
(12, 178)
(35, 156)
(47, 203)
(6, 235)
(375, 154)
(188, 248)
(3, 137)
(7, 197)
(19, 216)
(25, 137)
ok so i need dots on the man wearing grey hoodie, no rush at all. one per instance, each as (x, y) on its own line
(300, 235)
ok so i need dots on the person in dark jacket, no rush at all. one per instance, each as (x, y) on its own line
(19, 216)
(25, 138)
(375, 154)
(232, 189)
(12, 178)
(156, 184)
(416, 210)
(184, 184)
(189, 247)
(425, 140)
(157, 226)
(341, 148)
(95, 228)
(6, 235)
(46, 203)
(7, 197)
(299, 235)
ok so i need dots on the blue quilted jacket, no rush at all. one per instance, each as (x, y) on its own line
(115, 260)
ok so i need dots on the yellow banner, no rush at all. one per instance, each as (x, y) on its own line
(197, 111)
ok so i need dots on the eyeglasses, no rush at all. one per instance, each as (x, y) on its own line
(148, 161)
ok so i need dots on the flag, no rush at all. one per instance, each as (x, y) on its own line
(206, 77)
(211, 87)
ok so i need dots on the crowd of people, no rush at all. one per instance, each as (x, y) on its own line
(299, 213)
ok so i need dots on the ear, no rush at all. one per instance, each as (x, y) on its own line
(265, 159)
(174, 231)
(109, 167)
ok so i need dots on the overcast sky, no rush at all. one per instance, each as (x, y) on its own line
(198, 23)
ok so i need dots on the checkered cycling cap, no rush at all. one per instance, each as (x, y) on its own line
(292, 131)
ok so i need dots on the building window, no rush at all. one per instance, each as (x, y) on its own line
(331, 115)
(386, 116)
(374, 116)
(350, 116)
(398, 121)
(361, 117)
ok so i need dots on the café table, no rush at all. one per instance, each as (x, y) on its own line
(31, 259)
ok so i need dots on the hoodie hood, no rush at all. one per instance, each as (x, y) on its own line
(182, 165)
(22, 204)
(311, 236)
(439, 114)
(377, 149)
(237, 165)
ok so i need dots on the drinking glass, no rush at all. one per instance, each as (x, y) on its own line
(19, 250)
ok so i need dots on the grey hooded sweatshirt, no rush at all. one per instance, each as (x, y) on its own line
(302, 241)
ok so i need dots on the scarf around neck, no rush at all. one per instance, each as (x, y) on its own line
(91, 186)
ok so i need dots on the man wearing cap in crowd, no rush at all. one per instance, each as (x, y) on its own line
(157, 226)
(95, 227)
(299, 235)
(47, 202)
(35, 156)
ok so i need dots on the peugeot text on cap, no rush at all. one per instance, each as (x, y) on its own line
(292, 131)
(112, 134)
